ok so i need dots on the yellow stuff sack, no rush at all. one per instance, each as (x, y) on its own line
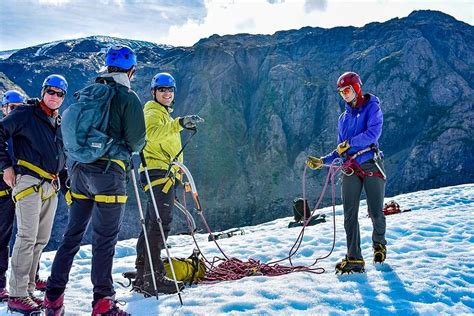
(188, 270)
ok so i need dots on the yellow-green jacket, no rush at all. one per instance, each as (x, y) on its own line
(163, 140)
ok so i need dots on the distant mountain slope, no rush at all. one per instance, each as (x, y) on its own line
(269, 101)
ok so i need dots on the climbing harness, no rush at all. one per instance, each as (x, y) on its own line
(44, 177)
(351, 166)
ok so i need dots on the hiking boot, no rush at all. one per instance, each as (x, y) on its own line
(107, 306)
(40, 285)
(380, 253)
(23, 305)
(37, 300)
(3, 295)
(54, 308)
(350, 265)
(137, 283)
(163, 285)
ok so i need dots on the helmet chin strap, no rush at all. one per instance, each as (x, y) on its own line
(358, 101)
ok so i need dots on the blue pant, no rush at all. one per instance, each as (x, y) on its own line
(106, 219)
(7, 214)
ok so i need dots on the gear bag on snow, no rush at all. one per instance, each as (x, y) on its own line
(85, 123)
(393, 207)
(226, 234)
(188, 270)
(302, 212)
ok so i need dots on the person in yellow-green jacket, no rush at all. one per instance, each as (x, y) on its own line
(163, 144)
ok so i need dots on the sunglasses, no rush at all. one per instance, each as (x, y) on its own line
(58, 93)
(346, 90)
(165, 89)
(11, 107)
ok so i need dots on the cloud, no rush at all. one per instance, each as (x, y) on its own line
(315, 5)
(184, 22)
(52, 2)
(58, 19)
(247, 25)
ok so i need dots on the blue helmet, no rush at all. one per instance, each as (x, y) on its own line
(163, 79)
(12, 96)
(56, 81)
(121, 56)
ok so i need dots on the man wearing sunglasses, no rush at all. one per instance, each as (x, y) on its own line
(98, 191)
(163, 144)
(359, 130)
(33, 178)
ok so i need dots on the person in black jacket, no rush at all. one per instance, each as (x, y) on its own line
(10, 100)
(98, 191)
(38, 148)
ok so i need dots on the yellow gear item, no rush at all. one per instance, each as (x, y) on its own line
(101, 198)
(68, 197)
(314, 162)
(168, 183)
(38, 170)
(343, 147)
(5, 192)
(33, 189)
(163, 137)
(26, 192)
(187, 270)
(118, 162)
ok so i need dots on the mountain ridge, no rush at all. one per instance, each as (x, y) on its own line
(270, 101)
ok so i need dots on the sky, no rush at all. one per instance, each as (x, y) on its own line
(429, 268)
(183, 22)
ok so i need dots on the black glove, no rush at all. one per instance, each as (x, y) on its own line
(190, 121)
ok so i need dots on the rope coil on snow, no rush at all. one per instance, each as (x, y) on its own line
(227, 269)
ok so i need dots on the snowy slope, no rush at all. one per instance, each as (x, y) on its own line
(429, 269)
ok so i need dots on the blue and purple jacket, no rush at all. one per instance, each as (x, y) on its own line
(362, 127)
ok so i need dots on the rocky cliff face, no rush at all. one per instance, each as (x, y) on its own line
(269, 101)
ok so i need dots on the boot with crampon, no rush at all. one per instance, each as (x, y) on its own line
(3, 295)
(54, 308)
(350, 265)
(37, 300)
(107, 306)
(40, 285)
(163, 285)
(380, 253)
(24, 305)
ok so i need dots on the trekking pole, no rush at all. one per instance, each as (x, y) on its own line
(158, 219)
(142, 221)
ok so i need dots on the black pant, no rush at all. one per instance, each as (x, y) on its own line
(165, 203)
(7, 214)
(374, 188)
(106, 220)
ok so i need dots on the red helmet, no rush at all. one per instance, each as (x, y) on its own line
(350, 79)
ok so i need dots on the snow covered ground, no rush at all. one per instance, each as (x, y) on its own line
(429, 268)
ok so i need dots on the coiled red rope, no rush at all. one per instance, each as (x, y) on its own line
(234, 269)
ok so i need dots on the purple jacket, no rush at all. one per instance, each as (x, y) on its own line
(362, 127)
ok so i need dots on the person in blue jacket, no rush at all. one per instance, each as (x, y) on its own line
(359, 129)
(33, 178)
